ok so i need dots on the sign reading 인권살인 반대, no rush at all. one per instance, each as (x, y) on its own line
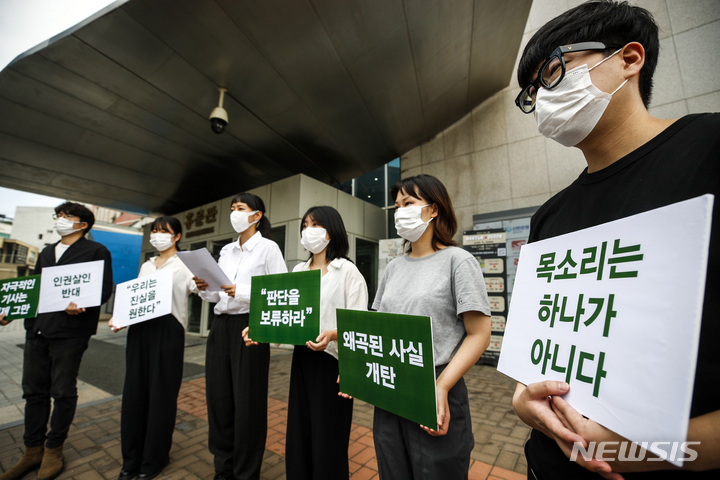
(143, 299)
(604, 309)
(19, 297)
(387, 360)
(285, 308)
(80, 283)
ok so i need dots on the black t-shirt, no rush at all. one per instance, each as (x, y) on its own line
(682, 162)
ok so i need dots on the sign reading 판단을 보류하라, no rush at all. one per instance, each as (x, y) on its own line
(387, 360)
(143, 299)
(604, 308)
(19, 297)
(285, 308)
(80, 283)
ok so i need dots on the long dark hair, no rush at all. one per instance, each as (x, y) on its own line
(330, 220)
(256, 203)
(162, 223)
(430, 189)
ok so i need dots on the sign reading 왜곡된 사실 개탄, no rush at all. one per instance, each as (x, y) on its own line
(285, 308)
(80, 283)
(143, 299)
(19, 297)
(604, 308)
(387, 360)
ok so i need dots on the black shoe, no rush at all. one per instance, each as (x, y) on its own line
(150, 476)
(127, 475)
(223, 476)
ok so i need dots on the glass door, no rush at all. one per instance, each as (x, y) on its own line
(366, 258)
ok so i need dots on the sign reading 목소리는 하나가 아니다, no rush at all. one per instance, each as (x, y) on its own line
(143, 299)
(19, 297)
(387, 360)
(604, 308)
(285, 308)
(80, 283)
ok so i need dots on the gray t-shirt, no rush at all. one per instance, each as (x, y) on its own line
(441, 286)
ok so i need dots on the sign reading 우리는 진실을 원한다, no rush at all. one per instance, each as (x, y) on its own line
(387, 360)
(285, 307)
(19, 297)
(80, 283)
(604, 308)
(143, 299)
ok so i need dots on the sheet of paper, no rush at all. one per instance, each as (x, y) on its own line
(615, 310)
(79, 282)
(143, 299)
(204, 266)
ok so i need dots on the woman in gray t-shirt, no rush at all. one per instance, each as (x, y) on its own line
(439, 280)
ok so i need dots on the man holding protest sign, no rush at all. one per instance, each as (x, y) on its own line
(54, 346)
(587, 76)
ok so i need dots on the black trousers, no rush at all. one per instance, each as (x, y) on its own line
(153, 374)
(50, 370)
(406, 452)
(236, 380)
(319, 421)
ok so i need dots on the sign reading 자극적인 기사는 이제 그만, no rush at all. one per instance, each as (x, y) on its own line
(19, 297)
(285, 308)
(79, 283)
(604, 308)
(387, 360)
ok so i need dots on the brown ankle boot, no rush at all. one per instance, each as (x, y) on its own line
(52, 463)
(31, 459)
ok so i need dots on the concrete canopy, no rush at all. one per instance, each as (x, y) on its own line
(115, 111)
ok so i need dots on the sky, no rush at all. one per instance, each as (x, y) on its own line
(23, 25)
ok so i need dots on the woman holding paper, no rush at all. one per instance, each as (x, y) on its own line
(318, 428)
(154, 364)
(236, 377)
(436, 279)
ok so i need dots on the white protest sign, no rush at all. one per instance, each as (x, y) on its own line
(81, 283)
(143, 299)
(615, 311)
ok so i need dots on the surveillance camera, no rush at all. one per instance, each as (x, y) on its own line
(219, 117)
(218, 120)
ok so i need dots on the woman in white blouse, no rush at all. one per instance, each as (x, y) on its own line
(154, 364)
(318, 427)
(236, 376)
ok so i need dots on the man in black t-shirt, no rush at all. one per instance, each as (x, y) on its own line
(587, 77)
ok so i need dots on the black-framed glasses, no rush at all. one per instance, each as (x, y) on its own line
(63, 215)
(552, 72)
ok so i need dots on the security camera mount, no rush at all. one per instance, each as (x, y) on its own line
(219, 117)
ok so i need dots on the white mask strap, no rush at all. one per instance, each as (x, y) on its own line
(604, 59)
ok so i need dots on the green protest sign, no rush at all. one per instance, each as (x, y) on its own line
(285, 308)
(19, 297)
(387, 360)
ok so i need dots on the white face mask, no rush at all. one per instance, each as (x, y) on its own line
(240, 221)
(570, 111)
(64, 227)
(313, 239)
(409, 224)
(161, 241)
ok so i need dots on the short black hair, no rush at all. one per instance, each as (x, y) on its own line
(77, 210)
(330, 220)
(256, 203)
(162, 223)
(606, 21)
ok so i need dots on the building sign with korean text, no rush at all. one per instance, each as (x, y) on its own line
(79, 283)
(387, 360)
(19, 297)
(143, 299)
(604, 308)
(285, 308)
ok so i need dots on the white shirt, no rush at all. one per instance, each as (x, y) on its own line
(343, 286)
(183, 285)
(258, 256)
(59, 250)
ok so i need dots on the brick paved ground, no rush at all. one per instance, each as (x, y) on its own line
(93, 447)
